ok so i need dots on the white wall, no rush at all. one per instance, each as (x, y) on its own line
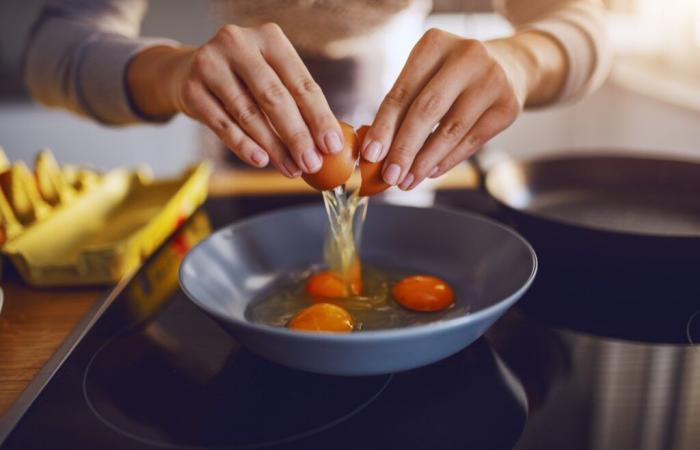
(25, 128)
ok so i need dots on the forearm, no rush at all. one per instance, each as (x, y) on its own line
(153, 78)
(536, 61)
(77, 54)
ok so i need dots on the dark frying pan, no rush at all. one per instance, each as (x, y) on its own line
(624, 207)
(618, 217)
(617, 238)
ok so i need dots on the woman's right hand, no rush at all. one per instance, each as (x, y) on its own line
(251, 88)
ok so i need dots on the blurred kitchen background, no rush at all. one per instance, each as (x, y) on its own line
(651, 102)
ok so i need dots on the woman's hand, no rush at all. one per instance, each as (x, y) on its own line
(251, 88)
(469, 89)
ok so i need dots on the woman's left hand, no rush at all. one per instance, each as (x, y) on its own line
(470, 89)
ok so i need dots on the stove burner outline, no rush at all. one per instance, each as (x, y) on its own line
(256, 445)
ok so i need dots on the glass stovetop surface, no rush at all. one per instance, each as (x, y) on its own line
(572, 367)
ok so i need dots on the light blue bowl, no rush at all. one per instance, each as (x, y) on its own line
(488, 265)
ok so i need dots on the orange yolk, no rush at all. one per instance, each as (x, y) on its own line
(326, 285)
(423, 293)
(332, 285)
(322, 317)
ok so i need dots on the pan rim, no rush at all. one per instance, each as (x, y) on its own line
(370, 335)
(583, 154)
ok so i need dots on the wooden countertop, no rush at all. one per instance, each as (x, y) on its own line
(35, 321)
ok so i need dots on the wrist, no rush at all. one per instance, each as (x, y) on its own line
(539, 62)
(154, 77)
(517, 65)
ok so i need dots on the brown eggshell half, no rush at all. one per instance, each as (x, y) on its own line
(338, 167)
(372, 182)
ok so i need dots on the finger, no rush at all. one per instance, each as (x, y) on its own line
(461, 117)
(203, 106)
(424, 60)
(492, 122)
(428, 109)
(312, 104)
(241, 107)
(274, 99)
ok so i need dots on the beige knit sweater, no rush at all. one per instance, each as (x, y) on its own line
(78, 52)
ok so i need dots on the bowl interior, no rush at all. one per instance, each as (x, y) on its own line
(482, 260)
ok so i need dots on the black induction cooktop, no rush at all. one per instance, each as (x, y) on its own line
(572, 367)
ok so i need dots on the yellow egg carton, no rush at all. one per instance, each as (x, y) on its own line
(74, 226)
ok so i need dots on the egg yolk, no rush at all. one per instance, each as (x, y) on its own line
(322, 317)
(423, 293)
(326, 284)
(332, 285)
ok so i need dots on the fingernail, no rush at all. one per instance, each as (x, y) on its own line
(311, 161)
(290, 166)
(392, 174)
(407, 182)
(433, 172)
(333, 142)
(372, 151)
(259, 158)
